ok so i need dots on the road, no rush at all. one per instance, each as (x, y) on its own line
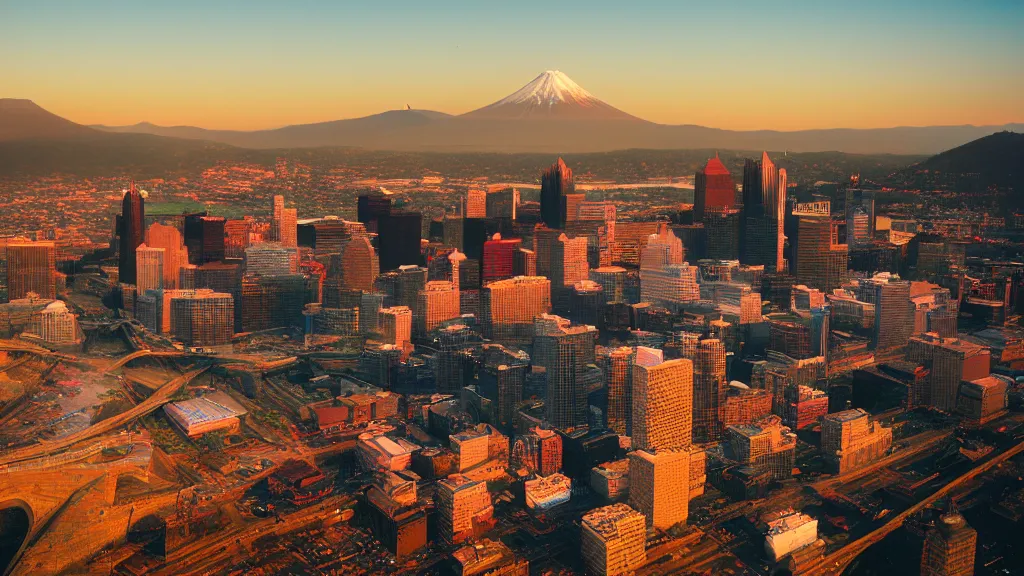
(156, 400)
(836, 562)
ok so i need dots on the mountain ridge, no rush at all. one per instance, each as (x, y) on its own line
(550, 114)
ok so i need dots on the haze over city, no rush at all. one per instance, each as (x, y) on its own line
(518, 289)
(740, 66)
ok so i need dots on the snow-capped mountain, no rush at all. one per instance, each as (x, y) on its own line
(551, 95)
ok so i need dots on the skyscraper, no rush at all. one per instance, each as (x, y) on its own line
(476, 204)
(31, 267)
(503, 203)
(132, 233)
(949, 547)
(436, 302)
(710, 388)
(564, 351)
(821, 262)
(612, 540)
(202, 317)
(508, 308)
(175, 253)
(764, 203)
(149, 264)
(370, 208)
(662, 402)
(396, 325)
(275, 218)
(617, 365)
(713, 190)
(499, 258)
(398, 238)
(204, 238)
(555, 183)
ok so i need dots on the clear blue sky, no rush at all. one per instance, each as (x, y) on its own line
(741, 65)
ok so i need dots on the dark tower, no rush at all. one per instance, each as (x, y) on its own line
(132, 233)
(370, 208)
(398, 239)
(555, 183)
(713, 190)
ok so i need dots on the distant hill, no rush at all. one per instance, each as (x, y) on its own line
(24, 119)
(34, 141)
(351, 132)
(998, 160)
(553, 114)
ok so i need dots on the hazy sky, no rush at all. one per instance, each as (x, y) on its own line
(741, 65)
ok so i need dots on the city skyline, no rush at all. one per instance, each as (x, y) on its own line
(264, 66)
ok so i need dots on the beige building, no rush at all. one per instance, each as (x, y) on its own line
(508, 308)
(149, 266)
(849, 439)
(470, 448)
(659, 486)
(396, 325)
(662, 402)
(437, 302)
(613, 540)
(463, 506)
(175, 253)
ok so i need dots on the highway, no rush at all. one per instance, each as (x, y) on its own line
(156, 400)
(835, 563)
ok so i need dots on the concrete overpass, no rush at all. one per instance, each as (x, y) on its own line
(156, 400)
(837, 562)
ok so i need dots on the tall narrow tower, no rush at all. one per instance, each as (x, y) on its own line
(714, 189)
(132, 234)
(555, 183)
(764, 203)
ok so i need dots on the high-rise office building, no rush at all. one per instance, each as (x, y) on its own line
(476, 204)
(275, 217)
(149, 268)
(202, 317)
(617, 366)
(714, 190)
(503, 203)
(949, 547)
(270, 259)
(613, 540)
(508, 308)
(564, 351)
(454, 364)
(894, 313)
(358, 265)
(398, 239)
(288, 227)
(764, 203)
(555, 183)
(131, 233)
(204, 238)
(396, 325)
(659, 486)
(370, 208)
(273, 301)
(860, 216)
(722, 229)
(499, 258)
(850, 440)
(436, 302)
(662, 402)
(31, 267)
(175, 254)
(670, 286)
(710, 388)
(568, 266)
(612, 280)
(951, 362)
(821, 261)
(463, 507)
